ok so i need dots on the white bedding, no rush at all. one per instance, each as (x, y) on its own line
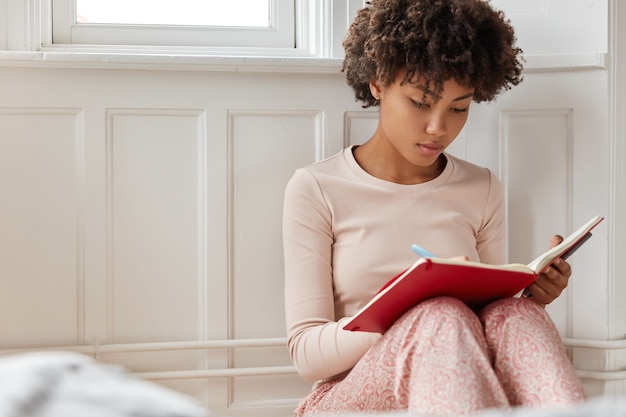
(62, 384)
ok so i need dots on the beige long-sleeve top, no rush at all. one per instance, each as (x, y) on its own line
(345, 233)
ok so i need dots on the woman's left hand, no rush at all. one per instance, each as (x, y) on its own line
(551, 281)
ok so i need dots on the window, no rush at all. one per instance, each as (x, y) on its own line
(206, 23)
(236, 13)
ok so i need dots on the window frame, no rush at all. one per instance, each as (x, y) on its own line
(320, 28)
(66, 31)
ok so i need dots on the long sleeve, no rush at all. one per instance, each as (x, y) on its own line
(318, 345)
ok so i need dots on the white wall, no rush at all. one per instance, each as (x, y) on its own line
(141, 196)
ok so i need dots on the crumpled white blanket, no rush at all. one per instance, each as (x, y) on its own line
(65, 384)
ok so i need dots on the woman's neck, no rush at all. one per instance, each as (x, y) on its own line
(386, 164)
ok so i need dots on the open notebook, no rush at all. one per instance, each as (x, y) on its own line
(475, 283)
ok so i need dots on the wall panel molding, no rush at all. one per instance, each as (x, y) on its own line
(617, 244)
(540, 136)
(43, 214)
(359, 126)
(259, 166)
(618, 168)
(255, 185)
(156, 168)
(536, 168)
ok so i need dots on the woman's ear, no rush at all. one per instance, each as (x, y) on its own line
(375, 90)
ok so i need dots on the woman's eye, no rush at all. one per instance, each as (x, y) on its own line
(459, 110)
(420, 105)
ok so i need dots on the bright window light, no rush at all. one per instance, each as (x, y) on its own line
(229, 13)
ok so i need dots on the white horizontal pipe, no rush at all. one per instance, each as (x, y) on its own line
(157, 346)
(216, 373)
(201, 344)
(602, 375)
(281, 370)
(595, 344)
(96, 349)
(241, 343)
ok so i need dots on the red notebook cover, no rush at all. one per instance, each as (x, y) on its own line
(475, 286)
(474, 283)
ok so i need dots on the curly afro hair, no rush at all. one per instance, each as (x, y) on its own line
(437, 40)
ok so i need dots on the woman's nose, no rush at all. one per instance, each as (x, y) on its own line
(436, 125)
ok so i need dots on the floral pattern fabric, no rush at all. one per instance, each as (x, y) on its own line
(443, 359)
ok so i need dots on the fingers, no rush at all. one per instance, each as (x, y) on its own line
(562, 267)
(556, 240)
(552, 281)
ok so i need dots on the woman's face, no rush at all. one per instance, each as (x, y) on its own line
(417, 125)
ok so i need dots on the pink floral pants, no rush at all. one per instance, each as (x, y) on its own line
(443, 359)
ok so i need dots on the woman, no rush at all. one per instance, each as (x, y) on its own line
(349, 223)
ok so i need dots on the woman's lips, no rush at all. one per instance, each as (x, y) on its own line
(429, 148)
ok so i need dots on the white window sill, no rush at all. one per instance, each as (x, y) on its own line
(263, 61)
(166, 61)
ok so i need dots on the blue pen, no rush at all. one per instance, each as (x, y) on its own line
(422, 252)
